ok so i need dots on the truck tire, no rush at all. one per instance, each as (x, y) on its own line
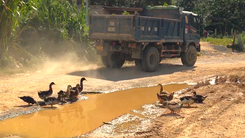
(138, 64)
(189, 57)
(115, 60)
(150, 60)
(105, 61)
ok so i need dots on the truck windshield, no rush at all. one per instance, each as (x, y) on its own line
(193, 22)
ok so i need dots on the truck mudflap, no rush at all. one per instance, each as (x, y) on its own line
(198, 47)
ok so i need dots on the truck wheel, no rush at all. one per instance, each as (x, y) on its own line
(138, 64)
(189, 57)
(105, 61)
(150, 60)
(115, 60)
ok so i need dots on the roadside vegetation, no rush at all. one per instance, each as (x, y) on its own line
(32, 31)
(219, 41)
(227, 41)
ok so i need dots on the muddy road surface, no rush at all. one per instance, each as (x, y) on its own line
(221, 115)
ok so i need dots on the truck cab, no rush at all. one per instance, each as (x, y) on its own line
(192, 29)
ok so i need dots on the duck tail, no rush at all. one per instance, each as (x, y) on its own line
(204, 97)
(39, 94)
(37, 103)
(181, 105)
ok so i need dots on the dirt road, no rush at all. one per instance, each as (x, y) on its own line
(220, 116)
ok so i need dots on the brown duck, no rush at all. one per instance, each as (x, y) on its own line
(52, 100)
(165, 97)
(80, 86)
(161, 89)
(44, 94)
(62, 95)
(74, 94)
(65, 94)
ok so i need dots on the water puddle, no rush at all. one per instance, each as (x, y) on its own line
(83, 116)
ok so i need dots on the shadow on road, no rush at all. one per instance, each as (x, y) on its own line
(24, 106)
(127, 73)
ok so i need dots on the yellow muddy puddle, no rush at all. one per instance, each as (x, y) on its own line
(83, 116)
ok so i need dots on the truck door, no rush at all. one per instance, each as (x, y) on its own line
(192, 28)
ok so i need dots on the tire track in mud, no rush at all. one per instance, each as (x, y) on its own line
(206, 118)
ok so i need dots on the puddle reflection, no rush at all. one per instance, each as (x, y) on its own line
(83, 116)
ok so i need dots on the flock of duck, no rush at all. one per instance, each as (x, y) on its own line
(71, 94)
(63, 96)
(165, 99)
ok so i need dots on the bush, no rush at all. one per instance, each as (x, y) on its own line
(31, 30)
(219, 41)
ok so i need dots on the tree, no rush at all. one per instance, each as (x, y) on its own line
(129, 2)
(220, 14)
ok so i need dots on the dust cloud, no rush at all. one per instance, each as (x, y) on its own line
(63, 56)
(68, 62)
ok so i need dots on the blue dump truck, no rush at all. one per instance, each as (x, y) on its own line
(145, 35)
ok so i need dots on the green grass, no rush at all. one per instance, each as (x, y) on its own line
(219, 41)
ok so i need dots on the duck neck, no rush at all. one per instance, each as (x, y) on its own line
(194, 93)
(50, 88)
(81, 85)
(161, 89)
(68, 91)
(171, 96)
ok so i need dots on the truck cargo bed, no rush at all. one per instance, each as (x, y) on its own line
(135, 28)
(112, 27)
